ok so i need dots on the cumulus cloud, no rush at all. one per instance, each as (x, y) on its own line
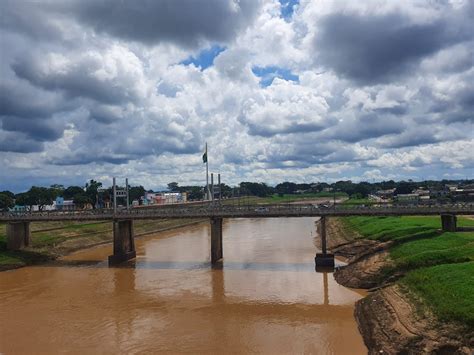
(111, 76)
(381, 47)
(188, 23)
(354, 90)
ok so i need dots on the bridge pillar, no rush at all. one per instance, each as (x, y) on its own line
(323, 259)
(18, 235)
(216, 239)
(124, 243)
(448, 222)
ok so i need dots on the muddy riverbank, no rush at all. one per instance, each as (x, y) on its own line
(49, 244)
(391, 318)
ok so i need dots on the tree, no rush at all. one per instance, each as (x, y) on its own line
(226, 190)
(173, 187)
(286, 188)
(81, 200)
(72, 191)
(195, 193)
(8, 193)
(404, 187)
(25, 199)
(57, 189)
(40, 196)
(6, 202)
(135, 192)
(255, 189)
(92, 188)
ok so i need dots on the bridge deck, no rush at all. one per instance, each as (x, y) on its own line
(229, 211)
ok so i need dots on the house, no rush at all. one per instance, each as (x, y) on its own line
(18, 209)
(64, 205)
(463, 194)
(385, 194)
(163, 198)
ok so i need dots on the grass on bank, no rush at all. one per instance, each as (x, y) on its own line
(447, 289)
(438, 267)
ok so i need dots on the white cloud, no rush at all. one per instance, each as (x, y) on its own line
(88, 102)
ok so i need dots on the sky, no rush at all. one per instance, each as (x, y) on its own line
(285, 90)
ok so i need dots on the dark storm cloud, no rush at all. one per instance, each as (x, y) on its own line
(309, 151)
(30, 18)
(76, 81)
(180, 21)
(411, 138)
(366, 127)
(18, 143)
(104, 114)
(379, 48)
(18, 100)
(36, 129)
(84, 159)
(269, 131)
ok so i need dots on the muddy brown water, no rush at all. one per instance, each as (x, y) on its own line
(266, 298)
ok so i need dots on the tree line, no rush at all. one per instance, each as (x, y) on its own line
(93, 194)
(90, 194)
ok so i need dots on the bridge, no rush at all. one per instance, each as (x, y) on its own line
(18, 224)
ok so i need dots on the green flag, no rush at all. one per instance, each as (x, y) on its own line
(204, 157)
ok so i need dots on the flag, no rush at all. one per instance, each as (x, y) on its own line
(204, 156)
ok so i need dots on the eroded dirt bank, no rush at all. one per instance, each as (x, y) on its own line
(390, 318)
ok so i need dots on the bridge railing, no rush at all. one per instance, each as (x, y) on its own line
(238, 210)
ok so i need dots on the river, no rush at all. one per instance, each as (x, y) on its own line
(266, 298)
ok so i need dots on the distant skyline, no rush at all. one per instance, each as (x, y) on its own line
(283, 90)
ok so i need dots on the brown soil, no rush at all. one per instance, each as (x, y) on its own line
(390, 320)
(390, 324)
(365, 258)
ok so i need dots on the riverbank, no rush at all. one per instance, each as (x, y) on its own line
(52, 240)
(422, 282)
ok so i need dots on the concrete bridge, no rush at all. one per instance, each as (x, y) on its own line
(18, 224)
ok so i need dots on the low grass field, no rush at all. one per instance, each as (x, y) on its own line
(437, 266)
(302, 197)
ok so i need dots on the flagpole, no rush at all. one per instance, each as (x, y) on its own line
(207, 174)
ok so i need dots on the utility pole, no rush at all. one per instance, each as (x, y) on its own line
(220, 187)
(126, 190)
(207, 175)
(212, 187)
(114, 192)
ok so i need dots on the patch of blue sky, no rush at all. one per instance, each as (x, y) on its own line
(287, 8)
(267, 74)
(205, 58)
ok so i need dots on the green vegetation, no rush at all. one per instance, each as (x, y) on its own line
(301, 197)
(358, 201)
(447, 289)
(437, 266)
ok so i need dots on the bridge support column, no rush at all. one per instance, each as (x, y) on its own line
(18, 235)
(448, 222)
(216, 239)
(124, 243)
(323, 259)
